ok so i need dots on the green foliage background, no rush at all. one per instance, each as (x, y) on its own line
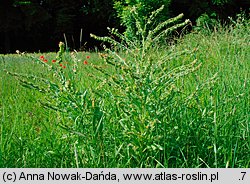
(144, 8)
(25, 24)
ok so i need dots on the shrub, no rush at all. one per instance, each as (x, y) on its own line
(206, 22)
(125, 11)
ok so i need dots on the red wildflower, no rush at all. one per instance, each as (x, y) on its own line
(61, 64)
(64, 66)
(87, 57)
(53, 61)
(45, 60)
(85, 62)
(42, 57)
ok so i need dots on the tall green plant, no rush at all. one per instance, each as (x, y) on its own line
(138, 97)
(60, 86)
(142, 91)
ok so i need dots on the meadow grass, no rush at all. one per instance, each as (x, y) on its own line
(209, 130)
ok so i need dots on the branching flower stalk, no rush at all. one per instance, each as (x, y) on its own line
(143, 87)
(136, 92)
(60, 90)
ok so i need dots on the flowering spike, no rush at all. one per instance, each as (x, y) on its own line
(60, 52)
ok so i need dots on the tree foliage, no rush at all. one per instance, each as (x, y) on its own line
(32, 25)
(143, 8)
(195, 8)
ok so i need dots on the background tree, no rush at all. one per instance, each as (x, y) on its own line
(21, 23)
(192, 9)
(11, 23)
(33, 25)
(96, 16)
(144, 8)
(40, 24)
